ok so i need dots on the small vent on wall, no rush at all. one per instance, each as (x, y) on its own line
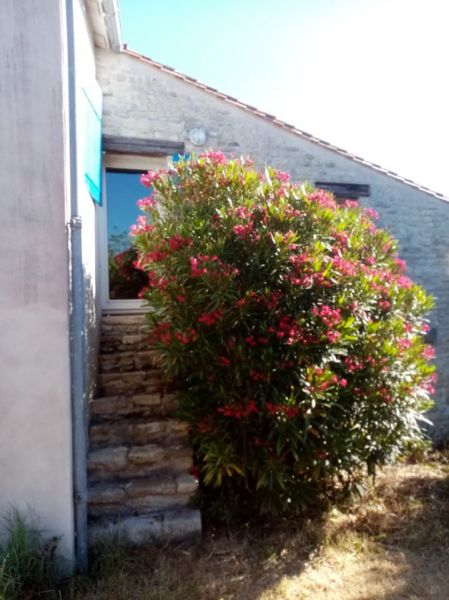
(345, 190)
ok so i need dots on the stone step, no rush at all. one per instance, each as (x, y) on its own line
(131, 382)
(123, 462)
(125, 342)
(163, 491)
(123, 320)
(139, 405)
(128, 361)
(166, 432)
(168, 525)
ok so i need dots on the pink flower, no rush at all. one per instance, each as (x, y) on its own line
(223, 361)
(142, 226)
(370, 213)
(428, 353)
(242, 212)
(282, 176)
(384, 304)
(256, 376)
(329, 316)
(350, 204)
(238, 410)
(325, 199)
(404, 344)
(183, 338)
(148, 179)
(148, 202)
(345, 267)
(177, 242)
(352, 364)
(210, 318)
(401, 264)
(195, 270)
(217, 158)
(404, 282)
(333, 336)
(282, 409)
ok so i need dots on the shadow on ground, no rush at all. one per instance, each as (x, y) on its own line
(392, 544)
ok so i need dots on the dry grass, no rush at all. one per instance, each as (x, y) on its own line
(392, 544)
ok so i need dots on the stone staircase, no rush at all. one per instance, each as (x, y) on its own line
(139, 460)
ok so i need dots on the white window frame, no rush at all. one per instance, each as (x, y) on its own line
(131, 163)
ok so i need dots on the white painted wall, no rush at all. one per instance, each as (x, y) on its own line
(142, 101)
(35, 422)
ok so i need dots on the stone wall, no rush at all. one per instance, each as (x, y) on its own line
(143, 101)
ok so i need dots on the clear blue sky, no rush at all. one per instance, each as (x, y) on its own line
(371, 76)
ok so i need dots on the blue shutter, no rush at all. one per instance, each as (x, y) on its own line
(177, 157)
(91, 105)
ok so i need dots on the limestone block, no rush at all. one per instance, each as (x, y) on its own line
(145, 455)
(186, 483)
(139, 433)
(171, 525)
(159, 502)
(110, 459)
(106, 494)
(144, 400)
(160, 483)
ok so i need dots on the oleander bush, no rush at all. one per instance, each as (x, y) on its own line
(289, 327)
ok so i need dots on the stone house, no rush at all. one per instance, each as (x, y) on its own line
(82, 116)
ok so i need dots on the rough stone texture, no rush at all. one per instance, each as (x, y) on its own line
(106, 494)
(145, 102)
(146, 455)
(170, 525)
(186, 484)
(160, 483)
(139, 405)
(127, 361)
(139, 461)
(142, 431)
(108, 459)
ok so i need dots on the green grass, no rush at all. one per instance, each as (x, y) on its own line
(27, 563)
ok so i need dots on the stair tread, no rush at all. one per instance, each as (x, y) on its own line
(126, 353)
(165, 482)
(143, 373)
(166, 524)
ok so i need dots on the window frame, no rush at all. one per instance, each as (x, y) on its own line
(132, 164)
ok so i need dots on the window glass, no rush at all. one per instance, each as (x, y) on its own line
(123, 189)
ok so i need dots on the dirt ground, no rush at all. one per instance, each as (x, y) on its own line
(390, 544)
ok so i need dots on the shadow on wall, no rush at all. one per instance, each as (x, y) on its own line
(92, 338)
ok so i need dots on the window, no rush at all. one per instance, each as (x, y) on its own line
(123, 190)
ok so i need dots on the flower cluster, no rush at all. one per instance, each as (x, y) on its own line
(151, 177)
(210, 265)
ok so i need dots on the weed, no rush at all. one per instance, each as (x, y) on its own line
(27, 562)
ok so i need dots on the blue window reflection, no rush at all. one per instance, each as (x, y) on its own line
(123, 189)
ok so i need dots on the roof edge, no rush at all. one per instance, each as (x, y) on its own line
(113, 26)
(280, 123)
